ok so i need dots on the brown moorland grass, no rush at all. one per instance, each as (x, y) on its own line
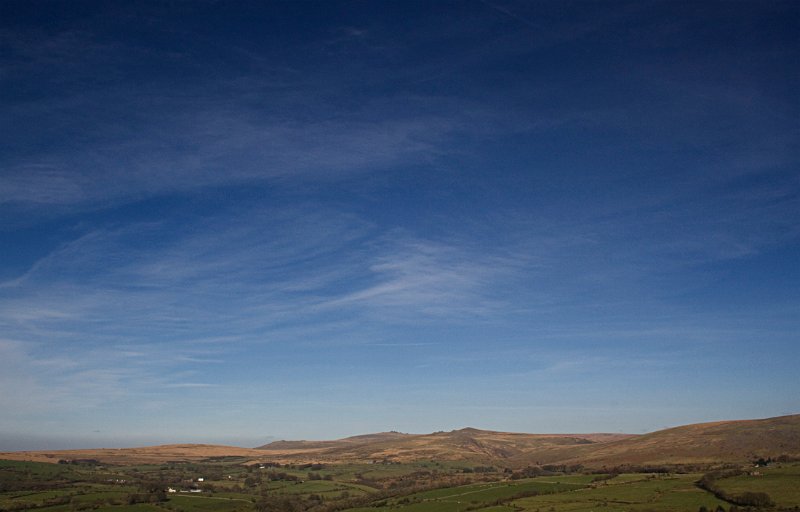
(722, 441)
(725, 441)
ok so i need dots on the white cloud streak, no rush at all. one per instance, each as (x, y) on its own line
(118, 322)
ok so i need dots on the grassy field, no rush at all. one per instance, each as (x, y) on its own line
(626, 492)
(781, 482)
(206, 504)
(495, 496)
(230, 486)
(629, 493)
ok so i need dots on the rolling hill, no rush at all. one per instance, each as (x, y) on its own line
(725, 441)
(464, 444)
(722, 441)
(143, 455)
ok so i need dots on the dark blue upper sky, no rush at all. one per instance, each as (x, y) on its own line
(223, 221)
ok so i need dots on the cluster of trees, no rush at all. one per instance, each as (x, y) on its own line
(146, 497)
(317, 476)
(661, 469)
(282, 476)
(544, 470)
(530, 472)
(603, 478)
(480, 469)
(312, 467)
(745, 499)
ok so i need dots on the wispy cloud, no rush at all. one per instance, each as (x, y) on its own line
(203, 220)
(421, 277)
(118, 322)
(209, 148)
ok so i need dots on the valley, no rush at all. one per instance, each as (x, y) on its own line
(730, 466)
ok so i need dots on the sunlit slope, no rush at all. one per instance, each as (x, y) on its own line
(144, 455)
(464, 444)
(724, 441)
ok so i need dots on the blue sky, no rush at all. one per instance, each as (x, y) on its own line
(236, 221)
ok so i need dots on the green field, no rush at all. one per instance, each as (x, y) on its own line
(630, 493)
(782, 483)
(206, 504)
(230, 486)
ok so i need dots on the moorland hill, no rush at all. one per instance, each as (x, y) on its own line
(717, 442)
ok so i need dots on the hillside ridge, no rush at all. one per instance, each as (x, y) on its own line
(710, 442)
